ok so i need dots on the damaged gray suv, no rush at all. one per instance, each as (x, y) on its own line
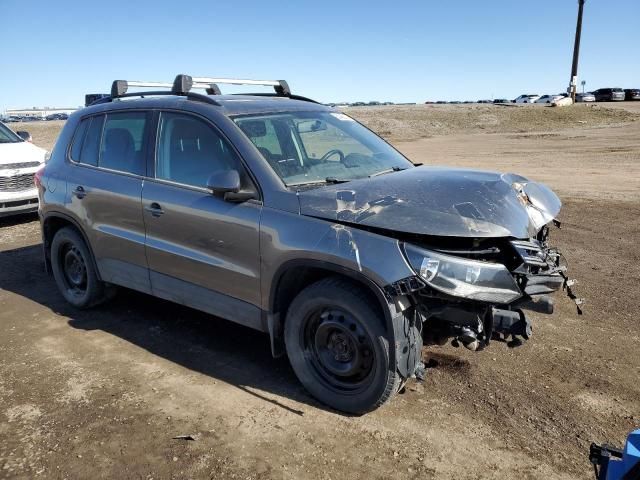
(289, 217)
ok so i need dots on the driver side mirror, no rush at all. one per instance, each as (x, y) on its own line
(24, 135)
(227, 185)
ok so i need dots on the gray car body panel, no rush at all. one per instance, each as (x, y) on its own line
(287, 238)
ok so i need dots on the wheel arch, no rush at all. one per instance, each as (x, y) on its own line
(52, 222)
(295, 275)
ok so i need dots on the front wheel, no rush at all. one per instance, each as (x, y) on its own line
(339, 348)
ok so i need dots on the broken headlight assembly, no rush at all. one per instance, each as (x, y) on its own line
(462, 277)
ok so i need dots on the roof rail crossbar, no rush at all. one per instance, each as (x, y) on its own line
(120, 87)
(183, 84)
(280, 86)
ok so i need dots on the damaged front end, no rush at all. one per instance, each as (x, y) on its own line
(480, 289)
(476, 242)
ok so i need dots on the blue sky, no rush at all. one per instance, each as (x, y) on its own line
(347, 50)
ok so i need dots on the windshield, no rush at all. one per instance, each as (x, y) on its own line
(320, 147)
(7, 136)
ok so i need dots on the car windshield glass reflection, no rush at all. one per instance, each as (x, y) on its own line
(7, 136)
(306, 148)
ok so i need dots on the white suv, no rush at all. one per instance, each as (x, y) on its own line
(19, 161)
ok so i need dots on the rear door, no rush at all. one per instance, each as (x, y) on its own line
(202, 250)
(104, 193)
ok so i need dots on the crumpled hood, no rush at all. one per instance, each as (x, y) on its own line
(439, 201)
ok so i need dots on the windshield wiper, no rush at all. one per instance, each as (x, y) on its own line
(332, 180)
(335, 180)
(388, 170)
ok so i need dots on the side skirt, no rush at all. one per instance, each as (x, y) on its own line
(209, 301)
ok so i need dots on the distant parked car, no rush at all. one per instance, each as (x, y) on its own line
(527, 98)
(57, 116)
(501, 100)
(585, 97)
(549, 98)
(631, 94)
(19, 161)
(609, 95)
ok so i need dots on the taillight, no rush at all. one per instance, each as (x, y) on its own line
(37, 178)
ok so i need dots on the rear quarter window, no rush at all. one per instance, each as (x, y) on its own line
(90, 149)
(78, 138)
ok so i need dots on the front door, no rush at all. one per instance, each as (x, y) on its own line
(202, 251)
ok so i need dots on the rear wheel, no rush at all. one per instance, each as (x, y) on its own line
(339, 348)
(74, 271)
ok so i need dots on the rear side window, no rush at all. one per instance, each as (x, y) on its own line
(78, 138)
(123, 142)
(91, 143)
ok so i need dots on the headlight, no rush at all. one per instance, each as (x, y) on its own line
(461, 277)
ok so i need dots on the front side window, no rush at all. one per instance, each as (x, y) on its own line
(189, 150)
(316, 147)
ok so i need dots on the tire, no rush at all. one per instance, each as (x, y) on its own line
(74, 270)
(339, 348)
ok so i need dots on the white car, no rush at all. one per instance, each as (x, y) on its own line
(549, 98)
(527, 98)
(19, 161)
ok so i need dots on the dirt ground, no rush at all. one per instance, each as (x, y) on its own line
(102, 394)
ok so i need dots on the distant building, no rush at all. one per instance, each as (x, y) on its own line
(36, 112)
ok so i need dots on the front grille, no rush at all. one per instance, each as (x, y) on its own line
(17, 183)
(14, 166)
(20, 203)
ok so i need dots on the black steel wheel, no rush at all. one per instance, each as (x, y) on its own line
(339, 348)
(74, 271)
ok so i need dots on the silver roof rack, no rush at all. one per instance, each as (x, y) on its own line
(280, 86)
(184, 83)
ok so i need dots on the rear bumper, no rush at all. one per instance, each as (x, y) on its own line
(13, 203)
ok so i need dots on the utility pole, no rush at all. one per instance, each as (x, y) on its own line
(576, 53)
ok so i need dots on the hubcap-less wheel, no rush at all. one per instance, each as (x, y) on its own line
(339, 349)
(74, 269)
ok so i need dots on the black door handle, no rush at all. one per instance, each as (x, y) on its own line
(154, 209)
(79, 192)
